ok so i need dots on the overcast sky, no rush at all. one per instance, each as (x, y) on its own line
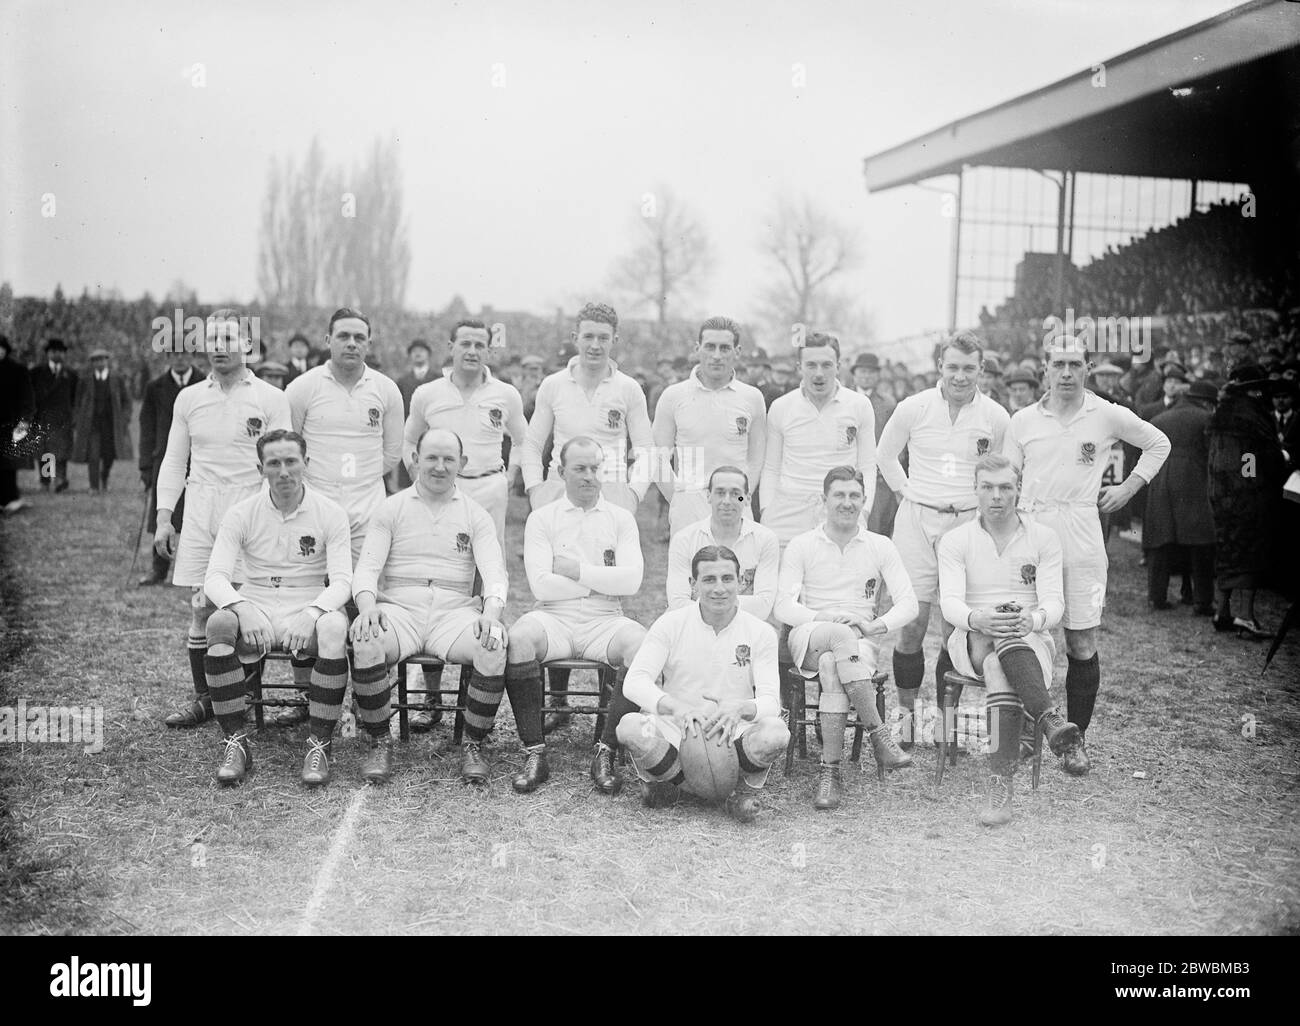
(519, 196)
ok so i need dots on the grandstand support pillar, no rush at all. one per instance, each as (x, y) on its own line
(956, 254)
(1191, 210)
(1059, 291)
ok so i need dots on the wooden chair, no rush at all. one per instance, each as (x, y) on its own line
(953, 683)
(604, 693)
(803, 714)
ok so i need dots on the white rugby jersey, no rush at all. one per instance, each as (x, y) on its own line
(1062, 463)
(804, 443)
(216, 431)
(816, 575)
(412, 539)
(941, 452)
(482, 417)
(353, 437)
(711, 428)
(738, 661)
(615, 412)
(973, 576)
(604, 541)
(759, 553)
(295, 551)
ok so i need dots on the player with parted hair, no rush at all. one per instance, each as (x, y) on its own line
(831, 581)
(292, 543)
(414, 593)
(1000, 590)
(215, 428)
(944, 429)
(720, 679)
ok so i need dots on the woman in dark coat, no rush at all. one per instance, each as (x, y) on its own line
(16, 407)
(1247, 472)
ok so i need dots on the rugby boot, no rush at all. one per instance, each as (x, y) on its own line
(535, 772)
(742, 803)
(424, 720)
(1061, 734)
(1074, 760)
(473, 767)
(1250, 629)
(603, 772)
(829, 790)
(198, 711)
(659, 794)
(997, 802)
(316, 766)
(377, 766)
(888, 754)
(236, 760)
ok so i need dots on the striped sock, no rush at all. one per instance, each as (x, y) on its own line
(197, 647)
(328, 681)
(1005, 714)
(373, 691)
(1025, 674)
(225, 683)
(302, 675)
(660, 762)
(482, 704)
(524, 686)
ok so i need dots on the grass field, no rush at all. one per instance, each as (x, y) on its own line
(1184, 826)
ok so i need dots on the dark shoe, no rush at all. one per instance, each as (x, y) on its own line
(535, 772)
(659, 794)
(316, 766)
(198, 711)
(290, 716)
(603, 772)
(1223, 624)
(236, 760)
(907, 735)
(555, 720)
(886, 749)
(62, 486)
(1075, 761)
(1250, 629)
(1061, 734)
(829, 791)
(742, 804)
(473, 767)
(997, 801)
(1160, 606)
(377, 766)
(424, 720)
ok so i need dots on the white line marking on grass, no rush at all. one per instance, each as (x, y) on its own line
(342, 838)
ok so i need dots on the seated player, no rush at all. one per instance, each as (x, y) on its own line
(414, 594)
(831, 579)
(1000, 588)
(582, 553)
(297, 573)
(720, 677)
(754, 545)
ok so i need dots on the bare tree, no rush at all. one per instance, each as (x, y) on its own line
(810, 251)
(371, 260)
(670, 259)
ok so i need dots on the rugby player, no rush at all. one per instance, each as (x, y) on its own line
(215, 428)
(945, 429)
(1000, 590)
(414, 594)
(582, 553)
(708, 420)
(292, 543)
(1060, 446)
(831, 579)
(720, 678)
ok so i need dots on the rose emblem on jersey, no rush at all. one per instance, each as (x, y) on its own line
(747, 581)
(981, 447)
(462, 542)
(608, 557)
(742, 655)
(254, 425)
(1087, 453)
(850, 434)
(614, 419)
(1028, 573)
(495, 416)
(870, 589)
(742, 425)
(373, 414)
(306, 545)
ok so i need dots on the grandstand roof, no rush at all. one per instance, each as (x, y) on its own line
(1236, 66)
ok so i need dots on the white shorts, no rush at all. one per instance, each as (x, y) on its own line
(205, 505)
(917, 530)
(790, 513)
(491, 493)
(1040, 641)
(614, 491)
(868, 648)
(578, 639)
(668, 730)
(360, 503)
(431, 632)
(1084, 562)
(279, 605)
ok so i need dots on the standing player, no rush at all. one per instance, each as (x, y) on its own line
(1060, 445)
(754, 545)
(822, 425)
(293, 545)
(582, 554)
(945, 429)
(720, 678)
(413, 590)
(215, 428)
(708, 420)
(831, 580)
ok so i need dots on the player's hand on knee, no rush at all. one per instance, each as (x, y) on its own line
(297, 635)
(690, 720)
(254, 627)
(491, 633)
(164, 539)
(368, 626)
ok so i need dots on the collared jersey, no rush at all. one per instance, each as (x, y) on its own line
(738, 662)
(973, 576)
(941, 452)
(804, 443)
(354, 436)
(817, 575)
(711, 428)
(414, 538)
(300, 549)
(1063, 462)
(216, 432)
(759, 553)
(482, 418)
(604, 541)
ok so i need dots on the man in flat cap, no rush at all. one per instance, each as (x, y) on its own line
(1022, 389)
(101, 428)
(1174, 376)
